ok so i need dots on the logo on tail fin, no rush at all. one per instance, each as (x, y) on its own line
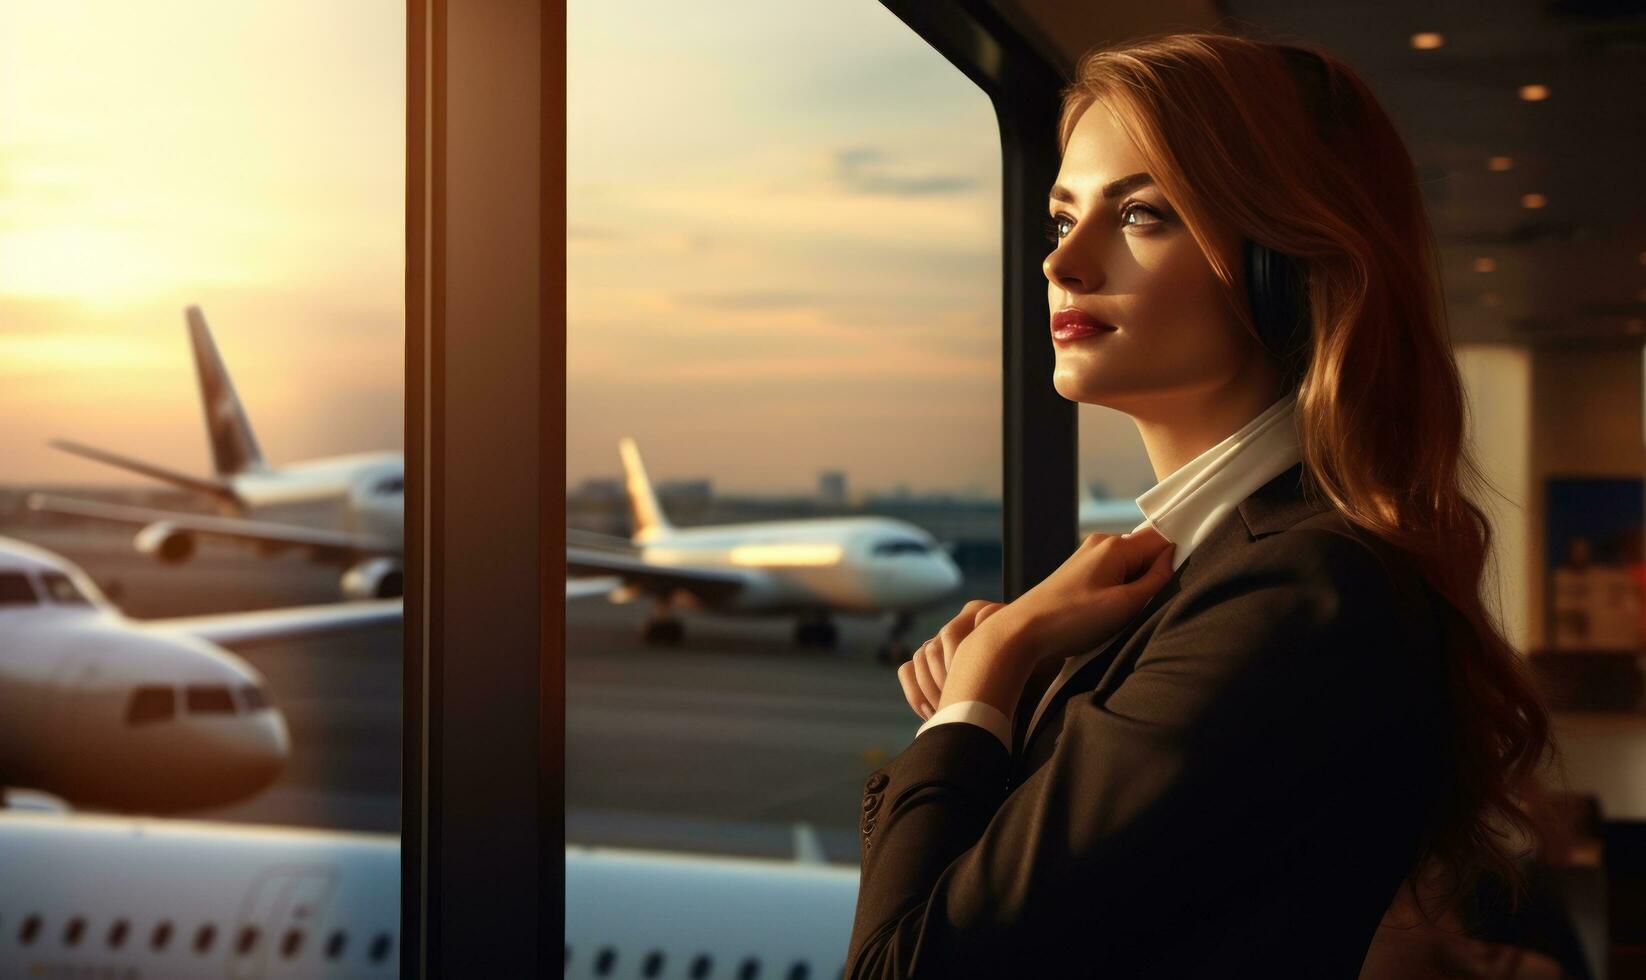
(644, 510)
(233, 447)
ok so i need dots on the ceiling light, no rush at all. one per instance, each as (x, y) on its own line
(1501, 164)
(1484, 264)
(1534, 93)
(1533, 200)
(1427, 40)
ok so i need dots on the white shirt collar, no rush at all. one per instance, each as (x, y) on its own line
(1191, 501)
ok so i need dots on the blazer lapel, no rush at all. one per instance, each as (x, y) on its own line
(1282, 502)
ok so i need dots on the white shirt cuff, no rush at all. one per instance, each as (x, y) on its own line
(980, 713)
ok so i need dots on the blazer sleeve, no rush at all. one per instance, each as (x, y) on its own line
(1238, 728)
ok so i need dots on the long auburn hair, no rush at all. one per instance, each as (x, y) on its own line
(1284, 143)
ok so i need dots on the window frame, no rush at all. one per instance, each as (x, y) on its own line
(482, 839)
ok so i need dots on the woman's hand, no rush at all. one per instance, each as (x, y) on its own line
(923, 676)
(1088, 598)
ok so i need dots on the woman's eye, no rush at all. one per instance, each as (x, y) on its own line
(1054, 224)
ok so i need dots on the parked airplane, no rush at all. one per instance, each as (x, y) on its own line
(346, 510)
(656, 914)
(94, 896)
(808, 567)
(1107, 516)
(151, 715)
(104, 896)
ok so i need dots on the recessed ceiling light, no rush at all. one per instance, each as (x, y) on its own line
(1484, 264)
(1533, 200)
(1501, 163)
(1427, 40)
(1534, 93)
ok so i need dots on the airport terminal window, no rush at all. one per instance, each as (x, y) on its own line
(149, 704)
(253, 698)
(292, 944)
(203, 939)
(31, 929)
(117, 933)
(73, 930)
(62, 589)
(15, 590)
(208, 699)
(161, 937)
(336, 944)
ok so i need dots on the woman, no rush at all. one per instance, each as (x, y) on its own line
(1220, 744)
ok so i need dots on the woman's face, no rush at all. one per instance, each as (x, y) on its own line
(1129, 261)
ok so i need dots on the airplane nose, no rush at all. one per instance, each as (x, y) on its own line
(947, 575)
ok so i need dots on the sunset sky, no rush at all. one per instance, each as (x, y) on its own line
(783, 241)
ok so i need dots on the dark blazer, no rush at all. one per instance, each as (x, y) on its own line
(1236, 787)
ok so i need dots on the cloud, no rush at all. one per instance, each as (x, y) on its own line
(862, 169)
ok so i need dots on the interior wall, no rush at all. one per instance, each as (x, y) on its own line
(1497, 383)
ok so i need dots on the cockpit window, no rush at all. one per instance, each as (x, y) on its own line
(62, 589)
(150, 704)
(253, 698)
(15, 590)
(208, 699)
(388, 485)
(901, 546)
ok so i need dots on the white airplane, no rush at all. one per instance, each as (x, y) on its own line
(103, 896)
(808, 567)
(652, 913)
(94, 896)
(1107, 516)
(152, 715)
(345, 510)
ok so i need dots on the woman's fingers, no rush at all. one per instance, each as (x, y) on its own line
(932, 691)
(911, 690)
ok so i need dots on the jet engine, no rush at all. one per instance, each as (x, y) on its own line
(374, 578)
(165, 541)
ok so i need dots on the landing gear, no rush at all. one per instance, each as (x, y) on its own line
(894, 651)
(816, 631)
(663, 630)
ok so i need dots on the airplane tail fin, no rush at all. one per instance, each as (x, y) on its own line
(646, 513)
(233, 447)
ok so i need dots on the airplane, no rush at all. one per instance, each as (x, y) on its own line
(344, 510)
(103, 896)
(1108, 516)
(90, 895)
(807, 567)
(152, 715)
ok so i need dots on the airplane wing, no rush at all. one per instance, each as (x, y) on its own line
(583, 588)
(236, 629)
(324, 543)
(709, 584)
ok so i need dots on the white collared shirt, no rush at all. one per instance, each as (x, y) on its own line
(1183, 508)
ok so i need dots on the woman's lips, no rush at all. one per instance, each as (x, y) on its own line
(1069, 325)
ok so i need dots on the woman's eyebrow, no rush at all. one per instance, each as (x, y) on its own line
(1112, 189)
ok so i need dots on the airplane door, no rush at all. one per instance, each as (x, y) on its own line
(283, 901)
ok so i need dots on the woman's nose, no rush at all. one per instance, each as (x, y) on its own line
(1071, 269)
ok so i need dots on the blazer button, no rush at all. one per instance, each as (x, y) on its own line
(868, 826)
(876, 782)
(871, 804)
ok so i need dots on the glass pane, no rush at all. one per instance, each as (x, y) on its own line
(783, 239)
(202, 287)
